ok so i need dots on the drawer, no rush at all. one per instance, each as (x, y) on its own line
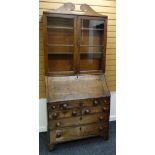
(97, 109)
(64, 134)
(87, 119)
(93, 129)
(95, 102)
(64, 114)
(64, 122)
(75, 121)
(90, 102)
(91, 110)
(67, 105)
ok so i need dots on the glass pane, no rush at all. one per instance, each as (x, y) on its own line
(60, 43)
(91, 49)
(59, 22)
(91, 37)
(60, 36)
(60, 49)
(92, 24)
(91, 44)
(89, 62)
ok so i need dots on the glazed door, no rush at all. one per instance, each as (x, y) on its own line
(60, 31)
(91, 44)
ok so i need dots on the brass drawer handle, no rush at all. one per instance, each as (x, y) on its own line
(95, 102)
(58, 124)
(74, 113)
(87, 111)
(53, 107)
(105, 101)
(105, 108)
(100, 128)
(50, 116)
(65, 106)
(55, 115)
(101, 118)
(58, 134)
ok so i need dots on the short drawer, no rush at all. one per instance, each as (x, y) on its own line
(64, 114)
(64, 134)
(94, 102)
(91, 110)
(64, 122)
(97, 109)
(91, 102)
(67, 105)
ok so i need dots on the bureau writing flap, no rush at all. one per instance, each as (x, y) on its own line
(76, 87)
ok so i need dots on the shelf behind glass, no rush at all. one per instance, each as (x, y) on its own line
(60, 36)
(59, 27)
(60, 45)
(60, 49)
(91, 37)
(99, 53)
(94, 24)
(60, 53)
(91, 49)
(92, 29)
(91, 45)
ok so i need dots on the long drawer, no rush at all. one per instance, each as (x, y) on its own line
(71, 133)
(78, 112)
(75, 121)
(67, 105)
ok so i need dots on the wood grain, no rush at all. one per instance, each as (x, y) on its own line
(81, 87)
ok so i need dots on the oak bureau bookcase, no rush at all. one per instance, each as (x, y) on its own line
(77, 93)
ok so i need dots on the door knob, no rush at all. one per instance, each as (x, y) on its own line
(55, 115)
